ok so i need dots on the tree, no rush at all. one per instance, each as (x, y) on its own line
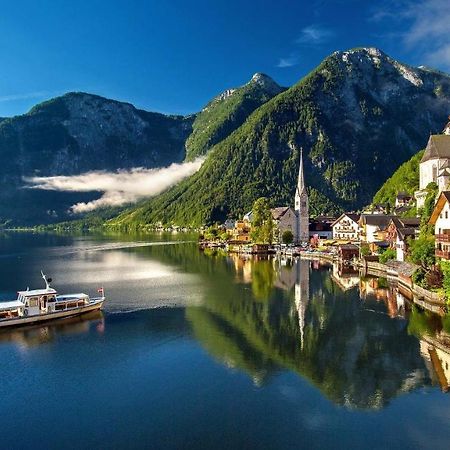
(262, 222)
(387, 255)
(365, 250)
(287, 237)
(428, 207)
(422, 251)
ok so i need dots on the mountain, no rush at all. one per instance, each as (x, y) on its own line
(226, 112)
(404, 179)
(358, 116)
(76, 133)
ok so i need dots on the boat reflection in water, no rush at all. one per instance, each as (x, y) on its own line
(34, 335)
(350, 337)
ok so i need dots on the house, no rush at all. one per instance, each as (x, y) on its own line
(229, 224)
(320, 227)
(347, 252)
(285, 219)
(373, 227)
(440, 218)
(241, 231)
(402, 199)
(346, 227)
(434, 165)
(399, 232)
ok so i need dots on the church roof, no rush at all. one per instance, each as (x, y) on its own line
(279, 212)
(438, 147)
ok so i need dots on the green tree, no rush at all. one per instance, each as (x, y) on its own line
(287, 237)
(422, 251)
(427, 210)
(365, 250)
(387, 255)
(445, 268)
(262, 222)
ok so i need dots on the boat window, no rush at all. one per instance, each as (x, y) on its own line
(32, 302)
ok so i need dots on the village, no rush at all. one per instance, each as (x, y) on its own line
(409, 241)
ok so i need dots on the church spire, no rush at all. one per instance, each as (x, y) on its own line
(301, 178)
(301, 205)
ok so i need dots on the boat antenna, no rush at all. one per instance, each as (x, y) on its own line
(47, 280)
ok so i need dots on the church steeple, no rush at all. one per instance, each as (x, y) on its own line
(301, 205)
(301, 177)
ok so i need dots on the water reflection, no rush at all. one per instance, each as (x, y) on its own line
(30, 336)
(348, 336)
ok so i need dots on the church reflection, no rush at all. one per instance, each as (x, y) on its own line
(349, 336)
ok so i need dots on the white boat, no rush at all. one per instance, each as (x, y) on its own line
(39, 305)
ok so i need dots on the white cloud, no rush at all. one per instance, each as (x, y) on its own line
(28, 95)
(288, 62)
(423, 28)
(314, 34)
(118, 188)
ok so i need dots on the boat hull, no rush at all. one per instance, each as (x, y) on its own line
(28, 320)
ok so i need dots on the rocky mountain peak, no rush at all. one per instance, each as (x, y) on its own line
(265, 82)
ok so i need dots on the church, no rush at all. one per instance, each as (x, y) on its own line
(295, 220)
(434, 165)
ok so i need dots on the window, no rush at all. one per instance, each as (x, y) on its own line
(434, 173)
(446, 214)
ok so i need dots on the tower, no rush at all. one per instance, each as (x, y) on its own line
(301, 294)
(301, 206)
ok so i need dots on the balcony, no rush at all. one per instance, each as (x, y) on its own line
(442, 254)
(442, 237)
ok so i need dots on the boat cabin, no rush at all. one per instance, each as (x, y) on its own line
(38, 301)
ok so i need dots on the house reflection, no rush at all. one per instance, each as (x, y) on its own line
(345, 276)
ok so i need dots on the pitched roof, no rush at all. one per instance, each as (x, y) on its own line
(403, 195)
(351, 216)
(279, 212)
(405, 232)
(442, 200)
(438, 147)
(379, 220)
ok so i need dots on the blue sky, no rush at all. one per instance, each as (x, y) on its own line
(173, 56)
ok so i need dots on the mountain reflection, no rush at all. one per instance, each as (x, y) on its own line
(348, 336)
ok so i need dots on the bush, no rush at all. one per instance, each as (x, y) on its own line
(418, 277)
(445, 268)
(287, 237)
(387, 255)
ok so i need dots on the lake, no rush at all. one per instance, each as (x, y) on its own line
(208, 351)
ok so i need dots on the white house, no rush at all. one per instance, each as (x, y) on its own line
(373, 227)
(434, 165)
(346, 227)
(441, 221)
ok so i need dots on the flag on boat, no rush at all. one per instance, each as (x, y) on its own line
(101, 290)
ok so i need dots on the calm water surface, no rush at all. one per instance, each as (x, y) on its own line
(199, 350)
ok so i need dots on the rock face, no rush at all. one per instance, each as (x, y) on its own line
(77, 133)
(357, 116)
